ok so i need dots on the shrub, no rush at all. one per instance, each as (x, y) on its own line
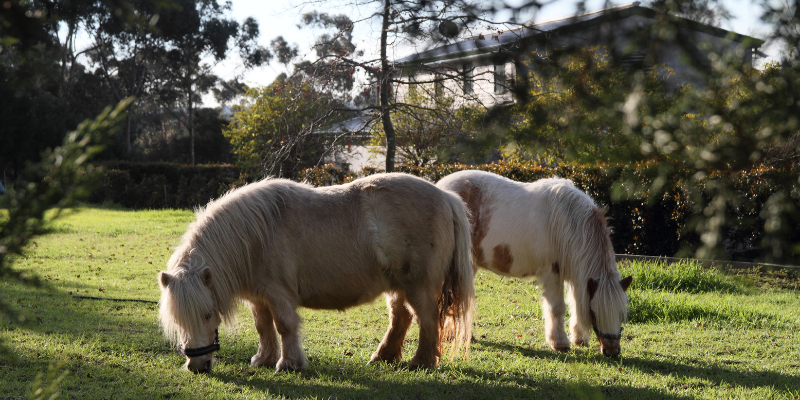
(164, 185)
(656, 223)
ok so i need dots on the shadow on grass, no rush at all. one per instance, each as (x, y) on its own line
(714, 374)
(345, 383)
(123, 355)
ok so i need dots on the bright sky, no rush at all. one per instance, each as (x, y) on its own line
(282, 21)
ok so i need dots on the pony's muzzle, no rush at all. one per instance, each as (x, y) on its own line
(610, 351)
(199, 365)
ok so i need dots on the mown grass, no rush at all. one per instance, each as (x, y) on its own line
(693, 333)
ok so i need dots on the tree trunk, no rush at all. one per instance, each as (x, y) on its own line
(191, 125)
(383, 84)
(128, 119)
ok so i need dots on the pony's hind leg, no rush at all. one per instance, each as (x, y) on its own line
(268, 349)
(287, 322)
(427, 310)
(553, 310)
(391, 347)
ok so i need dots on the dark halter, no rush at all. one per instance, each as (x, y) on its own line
(201, 351)
(607, 336)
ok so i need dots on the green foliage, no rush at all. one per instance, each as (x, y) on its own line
(569, 109)
(742, 122)
(425, 127)
(58, 181)
(643, 221)
(46, 387)
(277, 130)
(34, 117)
(211, 147)
(163, 185)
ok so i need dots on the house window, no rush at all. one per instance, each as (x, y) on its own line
(468, 79)
(499, 78)
(634, 61)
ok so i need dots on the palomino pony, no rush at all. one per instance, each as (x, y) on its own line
(277, 245)
(551, 230)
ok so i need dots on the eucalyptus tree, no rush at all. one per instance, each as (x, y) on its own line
(366, 74)
(194, 32)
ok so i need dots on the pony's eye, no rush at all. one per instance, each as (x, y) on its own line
(208, 316)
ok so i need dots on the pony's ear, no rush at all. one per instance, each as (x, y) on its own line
(163, 279)
(626, 283)
(205, 276)
(592, 286)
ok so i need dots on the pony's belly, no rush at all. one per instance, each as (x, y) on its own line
(503, 259)
(342, 294)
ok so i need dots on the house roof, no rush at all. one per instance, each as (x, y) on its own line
(492, 42)
(357, 125)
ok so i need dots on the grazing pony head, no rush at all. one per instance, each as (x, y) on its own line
(600, 283)
(608, 309)
(189, 314)
(199, 288)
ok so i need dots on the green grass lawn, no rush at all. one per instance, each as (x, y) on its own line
(693, 333)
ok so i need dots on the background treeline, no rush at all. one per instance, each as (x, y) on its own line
(62, 62)
(644, 222)
(582, 107)
(162, 185)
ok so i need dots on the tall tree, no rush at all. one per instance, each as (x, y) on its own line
(194, 33)
(398, 20)
(126, 54)
(275, 131)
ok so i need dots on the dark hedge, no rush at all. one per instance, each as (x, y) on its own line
(163, 185)
(643, 223)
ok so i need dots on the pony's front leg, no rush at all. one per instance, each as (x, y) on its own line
(553, 310)
(268, 350)
(579, 331)
(391, 347)
(287, 322)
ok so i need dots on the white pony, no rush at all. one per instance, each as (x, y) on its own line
(277, 245)
(551, 230)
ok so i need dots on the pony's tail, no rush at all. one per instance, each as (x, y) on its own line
(457, 305)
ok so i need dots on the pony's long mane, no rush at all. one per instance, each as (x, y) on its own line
(224, 237)
(581, 236)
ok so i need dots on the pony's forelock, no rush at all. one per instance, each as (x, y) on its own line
(586, 252)
(610, 304)
(183, 305)
(187, 300)
(216, 238)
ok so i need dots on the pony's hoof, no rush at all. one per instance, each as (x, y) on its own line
(414, 365)
(257, 361)
(561, 349)
(286, 365)
(377, 358)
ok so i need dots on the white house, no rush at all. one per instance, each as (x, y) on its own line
(480, 68)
